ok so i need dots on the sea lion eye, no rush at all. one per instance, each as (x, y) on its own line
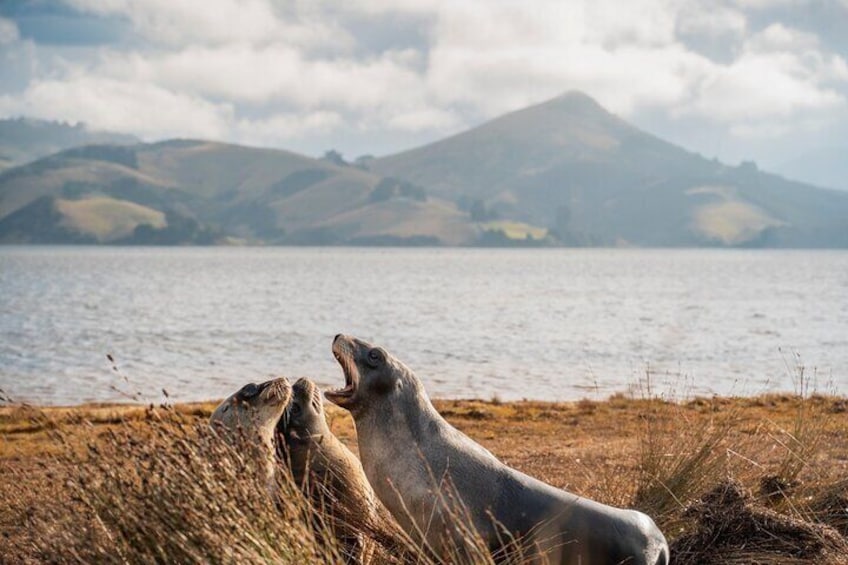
(295, 409)
(374, 357)
(249, 391)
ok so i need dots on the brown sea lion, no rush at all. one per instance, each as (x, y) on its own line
(248, 418)
(333, 477)
(434, 479)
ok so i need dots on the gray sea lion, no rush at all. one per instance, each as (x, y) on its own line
(332, 476)
(432, 477)
(248, 419)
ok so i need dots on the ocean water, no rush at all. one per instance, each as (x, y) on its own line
(542, 324)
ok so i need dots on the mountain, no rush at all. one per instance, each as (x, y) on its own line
(25, 139)
(565, 172)
(188, 191)
(570, 165)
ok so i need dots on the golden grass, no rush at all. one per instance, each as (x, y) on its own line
(729, 480)
(732, 222)
(515, 230)
(107, 218)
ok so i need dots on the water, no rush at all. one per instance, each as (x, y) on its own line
(543, 324)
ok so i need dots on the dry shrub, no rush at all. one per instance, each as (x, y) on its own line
(733, 528)
(677, 465)
(691, 483)
(829, 505)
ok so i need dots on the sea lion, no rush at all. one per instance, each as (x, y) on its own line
(332, 476)
(248, 419)
(428, 474)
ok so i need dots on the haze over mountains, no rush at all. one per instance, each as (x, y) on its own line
(565, 172)
(23, 140)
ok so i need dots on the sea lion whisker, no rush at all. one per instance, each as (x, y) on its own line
(248, 419)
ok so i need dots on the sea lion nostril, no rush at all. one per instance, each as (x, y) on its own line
(337, 337)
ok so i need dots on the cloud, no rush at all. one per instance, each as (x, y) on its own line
(145, 109)
(8, 31)
(781, 73)
(423, 119)
(266, 72)
(626, 55)
(711, 19)
(219, 22)
(768, 4)
(278, 72)
(269, 130)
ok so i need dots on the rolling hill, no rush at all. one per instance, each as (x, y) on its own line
(186, 191)
(26, 139)
(564, 172)
(570, 165)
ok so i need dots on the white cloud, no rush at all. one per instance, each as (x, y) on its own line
(147, 110)
(423, 119)
(767, 4)
(270, 130)
(781, 74)
(274, 72)
(8, 31)
(626, 55)
(761, 87)
(711, 19)
(778, 37)
(266, 72)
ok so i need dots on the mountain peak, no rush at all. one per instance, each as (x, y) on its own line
(576, 101)
(576, 96)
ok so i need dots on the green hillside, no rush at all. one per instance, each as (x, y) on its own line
(565, 172)
(187, 191)
(570, 165)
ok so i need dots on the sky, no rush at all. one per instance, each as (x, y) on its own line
(761, 80)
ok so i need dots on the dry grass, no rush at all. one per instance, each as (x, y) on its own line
(751, 480)
(107, 218)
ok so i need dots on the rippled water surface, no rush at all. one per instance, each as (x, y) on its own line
(545, 324)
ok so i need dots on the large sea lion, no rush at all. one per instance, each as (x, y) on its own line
(332, 476)
(248, 419)
(432, 477)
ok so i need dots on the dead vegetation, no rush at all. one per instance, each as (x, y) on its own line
(749, 480)
(731, 527)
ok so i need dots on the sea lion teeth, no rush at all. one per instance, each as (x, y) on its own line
(344, 356)
(433, 478)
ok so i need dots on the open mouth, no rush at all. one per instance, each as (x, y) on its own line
(344, 355)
